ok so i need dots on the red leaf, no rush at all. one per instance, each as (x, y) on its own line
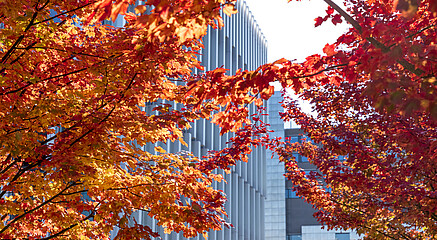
(329, 50)
(330, 10)
(319, 21)
(337, 19)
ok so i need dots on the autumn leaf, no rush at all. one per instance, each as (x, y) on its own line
(337, 19)
(229, 9)
(329, 50)
(319, 21)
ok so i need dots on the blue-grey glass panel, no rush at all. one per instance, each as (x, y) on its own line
(342, 236)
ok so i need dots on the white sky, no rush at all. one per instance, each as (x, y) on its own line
(289, 27)
(290, 32)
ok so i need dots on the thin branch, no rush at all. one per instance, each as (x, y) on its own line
(92, 214)
(89, 131)
(36, 208)
(63, 13)
(62, 50)
(346, 16)
(42, 7)
(92, 129)
(82, 69)
(18, 58)
(65, 74)
(324, 70)
(10, 165)
(136, 195)
(421, 30)
(72, 193)
(107, 115)
(138, 185)
(18, 41)
(20, 172)
(53, 77)
(16, 90)
(9, 52)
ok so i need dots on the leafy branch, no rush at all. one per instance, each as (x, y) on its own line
(64, 13)
(404, 63)
(25, 213)
(92, 214)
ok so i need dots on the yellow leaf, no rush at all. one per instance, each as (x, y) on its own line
(159, 149)
(183, 142)
(229, 9)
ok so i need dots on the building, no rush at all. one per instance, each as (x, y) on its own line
(275, 214)
(287, 215)
(239, 45)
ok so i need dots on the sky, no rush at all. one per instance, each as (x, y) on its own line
(290, 32)
(289, 27)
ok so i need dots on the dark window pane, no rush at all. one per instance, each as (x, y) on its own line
(294, 237)
(296, 155)
(294, 139)
(342, 236)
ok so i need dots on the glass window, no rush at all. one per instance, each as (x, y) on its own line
(342, 236)
(289, 193)
(294, 237)
(294, 139)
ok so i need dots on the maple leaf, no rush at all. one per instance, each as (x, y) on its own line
(229, 9)
(330, 10)
(337, 19)
(319, 21)
(329, 49)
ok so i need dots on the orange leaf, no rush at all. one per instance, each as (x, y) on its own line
(329, 50)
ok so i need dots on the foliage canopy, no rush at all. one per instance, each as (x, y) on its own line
(72, 93)
(374, 122)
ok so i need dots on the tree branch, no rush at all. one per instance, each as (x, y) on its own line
(20, 172)
(62, 50)
(324, 70)
(37, 207)
(421, 30)
(18, 41)
(10, 165)
(404, 63)
(63, 13)
(138, 185)
(92, 214)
